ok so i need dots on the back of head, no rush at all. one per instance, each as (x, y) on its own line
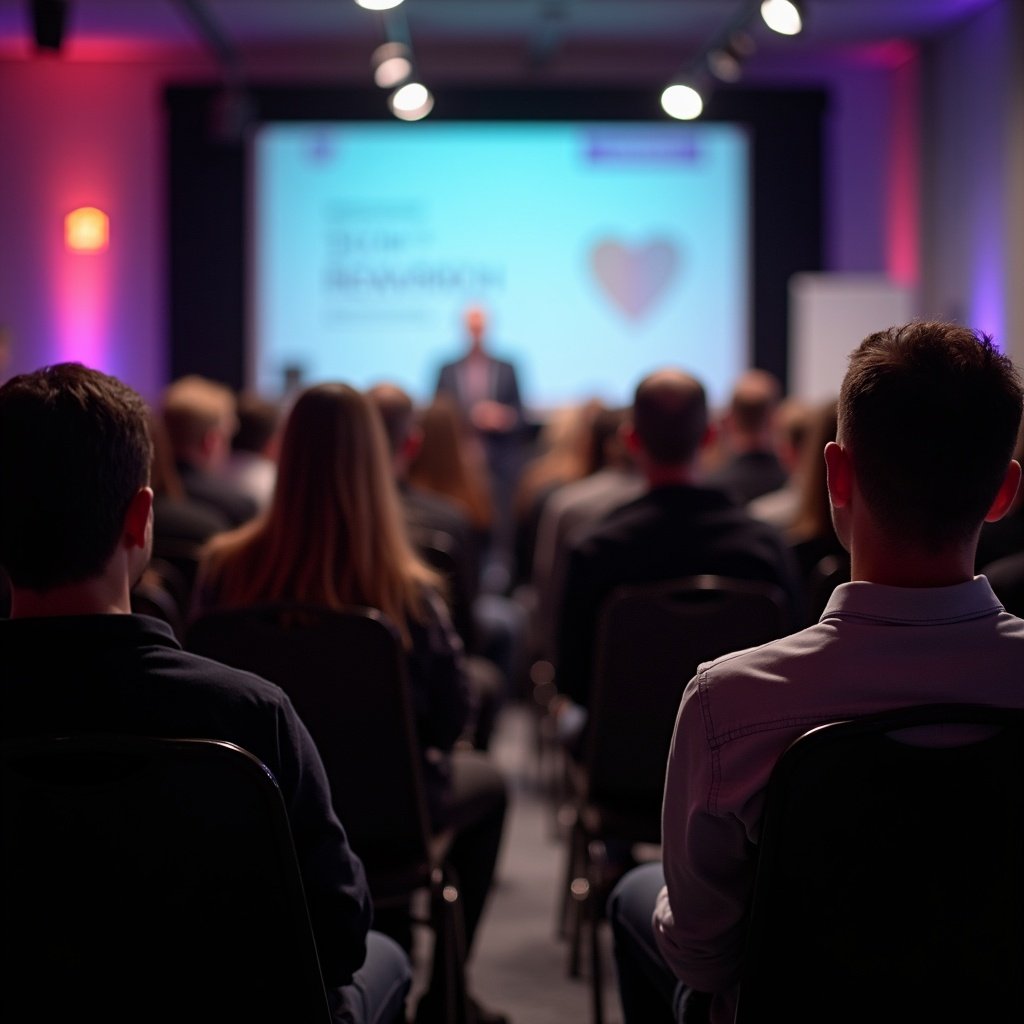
(193, 407)
(258, 420)
(74, 450)
(333, 534)
(670, 416)
(754, 400)
(397, 413)
(929, 413)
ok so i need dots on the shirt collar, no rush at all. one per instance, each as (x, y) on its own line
(935, 605)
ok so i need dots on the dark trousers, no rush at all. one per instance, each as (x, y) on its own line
(649, 991)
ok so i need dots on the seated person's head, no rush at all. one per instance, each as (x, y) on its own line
(75, 456)
(200, 418)
(398, 414)
(670, 418)
(750, 418)
(258, 420)
(929, 414)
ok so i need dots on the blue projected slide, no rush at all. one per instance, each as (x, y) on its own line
(601, 251)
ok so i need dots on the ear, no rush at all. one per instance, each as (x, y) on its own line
(410, 447)
(136, 520)
(709, 437)
(1007, 492)
(839, 468)
(629, 436)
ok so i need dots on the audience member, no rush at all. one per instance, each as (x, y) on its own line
(426, 516)
(449, 463)
(567, 452)
(75, 449)
(928, 417)
(779, 507)
(614, 481)
(812, 535)
(200, 419)
(752, 467)
(676, 528)
(252, 465)
(334, 536)
(178, 521)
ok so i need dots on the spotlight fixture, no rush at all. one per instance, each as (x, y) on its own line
(411, 102)
(782, 16)
(392, 64)
(682, 102)
(725, 62)
(378, 5)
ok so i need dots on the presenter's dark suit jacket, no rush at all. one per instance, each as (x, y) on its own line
(666, 533)
(503, 383)
(502, 448)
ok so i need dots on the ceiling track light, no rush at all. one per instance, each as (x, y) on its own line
(392, 64)
(377, 5)
(682, 101)
(394, 67)
(411, 102)
(725, 60)
(783, 16)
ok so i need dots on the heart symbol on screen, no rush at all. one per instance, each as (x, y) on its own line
(634, 277)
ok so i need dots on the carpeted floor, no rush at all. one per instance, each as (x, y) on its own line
(520, 966)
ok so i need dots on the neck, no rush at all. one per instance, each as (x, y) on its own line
(667, 476)
(98, 596)
(897, 564)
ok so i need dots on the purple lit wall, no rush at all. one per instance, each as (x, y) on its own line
(76, 134)
(972, 227)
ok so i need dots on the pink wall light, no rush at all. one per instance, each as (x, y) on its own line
(86, 229)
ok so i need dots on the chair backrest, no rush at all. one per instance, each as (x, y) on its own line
(439, 550)
(345, 673)
(651, 638)
(890, 880)
(149, 879)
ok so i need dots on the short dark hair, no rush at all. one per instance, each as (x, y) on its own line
(397, 413)
(670, 416)
(754, 401)
(258, 420)
(74, 450)
(930, 412)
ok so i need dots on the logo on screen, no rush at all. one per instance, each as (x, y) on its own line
(634, 278)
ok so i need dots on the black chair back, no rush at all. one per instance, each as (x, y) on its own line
(890, 881)
(345, 673)
(150, 879)
(651, 639)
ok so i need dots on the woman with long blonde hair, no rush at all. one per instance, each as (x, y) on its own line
(334, 536)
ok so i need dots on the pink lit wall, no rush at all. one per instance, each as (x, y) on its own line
(76, 134)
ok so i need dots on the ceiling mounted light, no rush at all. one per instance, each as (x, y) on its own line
(725, 62)
(682, 102)
(782, 16)
(378, 5)
(412, 102)
(392, 64)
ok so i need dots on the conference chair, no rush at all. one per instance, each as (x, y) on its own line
(650, 640)
(890, 879)
(345, 673)
(150, 880)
